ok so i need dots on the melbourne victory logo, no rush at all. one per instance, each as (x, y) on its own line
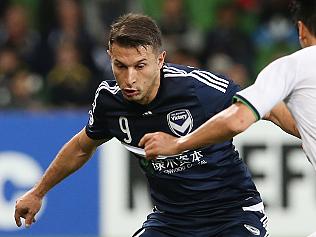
(180, 122)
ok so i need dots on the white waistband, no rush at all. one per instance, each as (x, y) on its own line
(256, 207)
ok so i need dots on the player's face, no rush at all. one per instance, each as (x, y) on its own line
(137, 71)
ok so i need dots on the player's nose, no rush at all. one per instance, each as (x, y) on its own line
(130, 78)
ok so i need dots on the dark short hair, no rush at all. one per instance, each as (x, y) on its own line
(134, 30)
(305, 11)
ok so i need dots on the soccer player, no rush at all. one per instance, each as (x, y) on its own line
(291, 79)
(202, 192)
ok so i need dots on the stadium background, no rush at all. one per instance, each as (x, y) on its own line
(52, 57)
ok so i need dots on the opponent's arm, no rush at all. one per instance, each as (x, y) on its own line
(70, 158)
(282, 117)
(221, 127)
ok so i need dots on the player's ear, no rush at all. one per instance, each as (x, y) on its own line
(161, 58)
(303, 32)
(109, 53)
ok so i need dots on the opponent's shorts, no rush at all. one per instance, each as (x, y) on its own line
(242, 222)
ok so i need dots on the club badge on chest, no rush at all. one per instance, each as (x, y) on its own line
(180, 122)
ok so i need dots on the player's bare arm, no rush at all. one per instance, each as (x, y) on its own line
(221, 127)
(282, 117)
(70, 158)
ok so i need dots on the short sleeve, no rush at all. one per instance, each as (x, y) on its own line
(273, 84)
(214, 101)
(96, 127)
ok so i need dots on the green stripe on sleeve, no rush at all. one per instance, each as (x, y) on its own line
(239, 98)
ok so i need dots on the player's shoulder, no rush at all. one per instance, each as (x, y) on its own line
(303, 57)
(290, 62)
(177, 68)
(109, 87)
(108, 94)
(184, 70)
(196, 76)
(304, 54)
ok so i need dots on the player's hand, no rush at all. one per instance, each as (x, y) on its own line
(159, 143)
(26, 207)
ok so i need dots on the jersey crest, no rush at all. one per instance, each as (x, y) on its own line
(180, 122)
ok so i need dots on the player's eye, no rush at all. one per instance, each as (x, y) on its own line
(119, 65)
(140, 66)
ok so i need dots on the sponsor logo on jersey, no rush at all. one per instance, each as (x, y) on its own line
(180, 122)
(252, 229)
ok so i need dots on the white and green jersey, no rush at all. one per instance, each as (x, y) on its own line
(292, 79)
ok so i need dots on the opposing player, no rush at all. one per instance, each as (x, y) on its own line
(291, 78)
(203, 192)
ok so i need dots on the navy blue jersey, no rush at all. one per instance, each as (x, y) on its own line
(201, 182)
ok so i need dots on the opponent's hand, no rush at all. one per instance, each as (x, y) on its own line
(26, 207)
(159, 143)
